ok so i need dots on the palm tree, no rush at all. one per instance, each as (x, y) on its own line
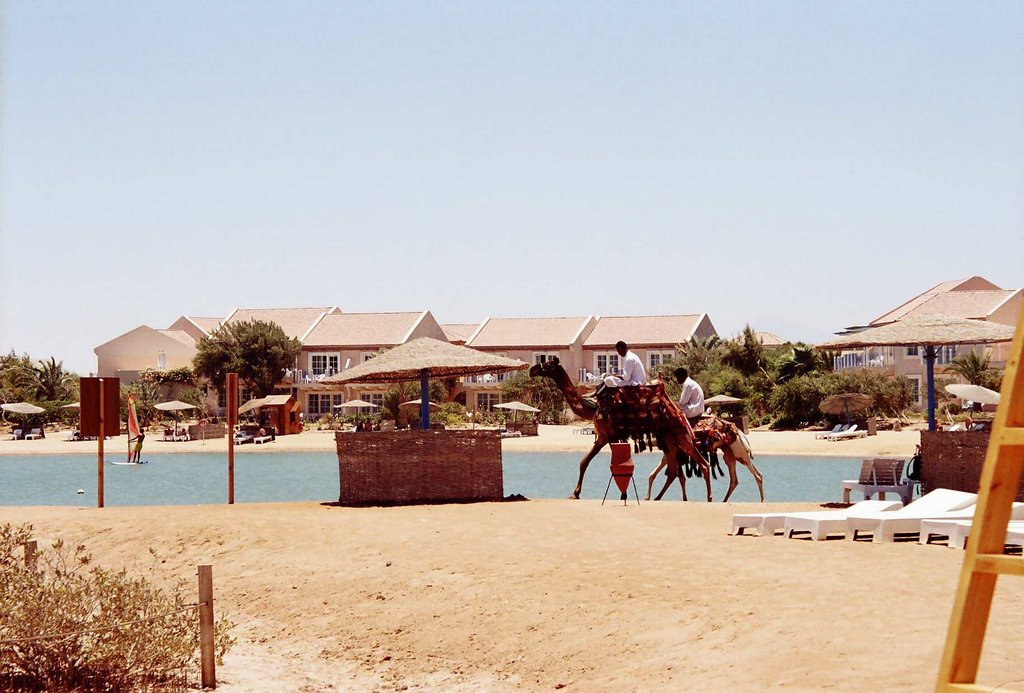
(801, 360)
(976, 370)
(51, 381)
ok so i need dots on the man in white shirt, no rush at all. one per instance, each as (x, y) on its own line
(691, 401)
(632, 371)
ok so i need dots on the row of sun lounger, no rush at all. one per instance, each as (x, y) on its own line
(883, 520)
(842, 432)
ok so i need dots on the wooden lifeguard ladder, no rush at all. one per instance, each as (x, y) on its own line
(984, 561)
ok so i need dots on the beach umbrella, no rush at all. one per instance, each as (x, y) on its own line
(422, 359)
(720, 400)
(355, 404)
(174, 406)
(929, 332)
(516, 407)
(418, 403)
(974, 393)
(22, 408)
(73, 405)
(845, 403)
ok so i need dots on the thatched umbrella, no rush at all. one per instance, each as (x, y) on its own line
(845, 403)
(425, 358)
(928, 331)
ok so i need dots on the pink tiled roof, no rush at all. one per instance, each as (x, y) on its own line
(179, 336)
(957, 285)
(459, 331)
(294, 321)
(769, 339)
(652, 330)
(207, 325)
(362, 329)
(961, 304)
(527, 332)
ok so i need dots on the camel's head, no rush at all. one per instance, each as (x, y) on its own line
(546, 369)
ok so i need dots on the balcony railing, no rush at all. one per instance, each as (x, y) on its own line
(309, 377)
(862, 359)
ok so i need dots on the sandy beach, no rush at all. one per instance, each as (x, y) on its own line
(543, 595)
(551, 439)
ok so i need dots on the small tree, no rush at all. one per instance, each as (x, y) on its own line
(976, 370)
(260, 352)
(542, 393)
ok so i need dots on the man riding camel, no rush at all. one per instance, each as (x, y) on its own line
(630, 374)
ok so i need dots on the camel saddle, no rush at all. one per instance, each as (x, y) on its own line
(641, 413)
(713, 432)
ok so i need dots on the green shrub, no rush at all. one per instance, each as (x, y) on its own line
(155, 645)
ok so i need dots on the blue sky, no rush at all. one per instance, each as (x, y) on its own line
(801, 166)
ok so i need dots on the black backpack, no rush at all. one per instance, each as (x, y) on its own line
(914, 468)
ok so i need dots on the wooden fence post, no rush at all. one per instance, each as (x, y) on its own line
(206, 649)
(30, 554)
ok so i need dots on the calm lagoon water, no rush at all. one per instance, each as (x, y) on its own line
(189, 479)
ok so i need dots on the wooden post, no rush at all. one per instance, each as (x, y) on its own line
(232, 422)
(99, 453)
(206, 648)
(30, 554)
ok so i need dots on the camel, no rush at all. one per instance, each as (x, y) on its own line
(669, 429)
(720, 435)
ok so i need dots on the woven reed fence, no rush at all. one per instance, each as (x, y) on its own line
(953, 459)
(401, 467)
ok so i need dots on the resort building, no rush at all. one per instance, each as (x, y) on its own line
(974, 298)
(653, 338)
(533, 340)
(333, 341)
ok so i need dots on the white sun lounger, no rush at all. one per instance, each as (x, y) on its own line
(835, 429)
(262, 439)
(940, 504)
(957, 531)
(851, 432)
(767, 524)
(824, 522)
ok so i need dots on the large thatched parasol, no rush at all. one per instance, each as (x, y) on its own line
(928, 331)
(845, 403)
(422, 359)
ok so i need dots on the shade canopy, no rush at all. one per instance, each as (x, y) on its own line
(268, 401)
(516, 406)
(722, 399)
(439, 359)
(419, 402)
(926, 330)
(355, 404)
(974, 393)
(73, 405)
(846, 403)
(929, 331)
(174, 405)
(425, 358)
(22, 408)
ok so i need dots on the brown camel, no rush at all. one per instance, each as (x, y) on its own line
(667, 426)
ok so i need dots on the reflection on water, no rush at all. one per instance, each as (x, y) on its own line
(185, 479)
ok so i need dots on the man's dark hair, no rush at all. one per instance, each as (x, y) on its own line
(681, 374)
(621, 344)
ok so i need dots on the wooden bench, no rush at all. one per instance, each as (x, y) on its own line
(881, 475)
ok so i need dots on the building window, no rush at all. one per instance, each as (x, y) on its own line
(375, 398)
(319, 404)
(539, 358)
(222, 399)
(912, 351)
(915, 388)
(323, 364)
(655, 359)
(485, 401)
(945, 355)
(606, 363)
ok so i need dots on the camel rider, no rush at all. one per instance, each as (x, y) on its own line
(631, 373)
(691, 401)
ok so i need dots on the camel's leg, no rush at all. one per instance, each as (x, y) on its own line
(730, 462)
(598, 444)
(654, 475)
(739, 452)
(673, 472)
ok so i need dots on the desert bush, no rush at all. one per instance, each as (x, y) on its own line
(122, 631)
